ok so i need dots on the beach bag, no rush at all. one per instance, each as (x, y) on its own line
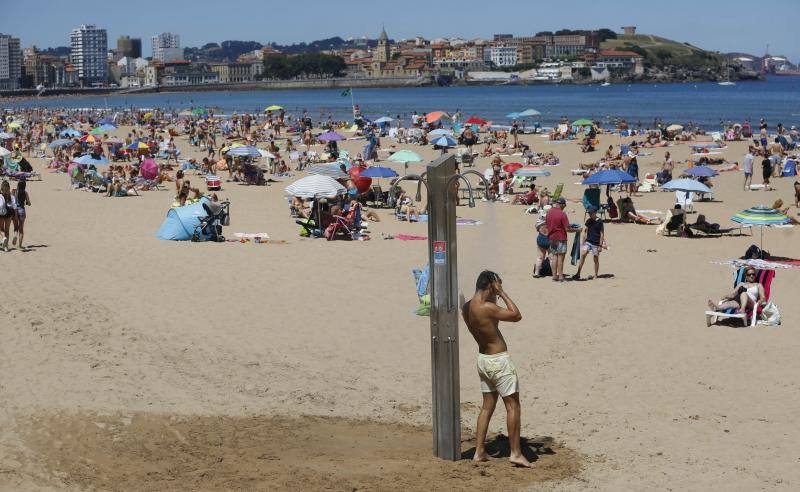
(546, 270)
(770, 315)
(755, 253)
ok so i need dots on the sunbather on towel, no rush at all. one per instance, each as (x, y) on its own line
(747, 295)
(628, 213)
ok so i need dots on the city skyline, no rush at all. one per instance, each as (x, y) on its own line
(705, 26)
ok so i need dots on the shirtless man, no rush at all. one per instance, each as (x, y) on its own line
(495, 368)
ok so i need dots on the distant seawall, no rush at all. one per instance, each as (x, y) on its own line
(337, 83)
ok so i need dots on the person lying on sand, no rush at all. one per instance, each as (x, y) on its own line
(497, 372)
(747, 295)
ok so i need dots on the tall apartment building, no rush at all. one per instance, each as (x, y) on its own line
(167, 47)
(10, 62)
(89, 53)
(130, 47)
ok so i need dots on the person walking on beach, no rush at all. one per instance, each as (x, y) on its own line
(766, 170)
(557, 228)
(20, 199)
(6, 212)
(497, 372)
(747, 166)
(595, 242)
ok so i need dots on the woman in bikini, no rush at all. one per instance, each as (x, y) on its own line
(746, 296)
(22, 200)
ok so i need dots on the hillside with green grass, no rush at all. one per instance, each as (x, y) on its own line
(661, 52)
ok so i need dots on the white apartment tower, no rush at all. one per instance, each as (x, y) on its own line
(167, 47)
(89, 53)
(10, 62)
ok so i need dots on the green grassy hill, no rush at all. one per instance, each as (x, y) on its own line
(660, 52)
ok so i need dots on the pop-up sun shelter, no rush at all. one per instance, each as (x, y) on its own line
(181, 222)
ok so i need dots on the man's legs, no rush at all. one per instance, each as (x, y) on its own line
(489, 402)
(584, 252)
(513, 418)
(596, 266)
(560, 265)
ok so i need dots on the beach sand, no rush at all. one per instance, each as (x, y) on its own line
(130, 363)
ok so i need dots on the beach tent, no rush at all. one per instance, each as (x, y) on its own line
(181, 221)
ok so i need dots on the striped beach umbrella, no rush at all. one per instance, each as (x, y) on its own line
(444, 141)
(330, 170)
(244, 151)
(761, 216)
(87, 160)
(315, 186)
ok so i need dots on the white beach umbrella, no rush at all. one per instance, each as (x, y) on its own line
(315, 186)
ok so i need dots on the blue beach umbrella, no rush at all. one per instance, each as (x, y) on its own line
(87, 160)
(378, 172)
(529, 112)
(701, 171)
(512, 116)
(689, 185)
(439, 132)
(62, 142)
(70, 132)
(384, 119)
(609, 177)
(444, 141)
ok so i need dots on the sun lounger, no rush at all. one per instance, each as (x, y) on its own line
(765, 278)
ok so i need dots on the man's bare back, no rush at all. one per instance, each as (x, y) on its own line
(496, 370)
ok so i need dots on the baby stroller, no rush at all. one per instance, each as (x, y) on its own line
(210, 227)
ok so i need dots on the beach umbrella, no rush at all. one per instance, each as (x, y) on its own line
(688, 185)
(404, 157)
(384, 119)
(231, 146)
(149, 169)
(512, 166)
(106, 122)
(582, 122)
(528, 112)
(4, 152)
(6, 136)
(315, 186)
(330, 170)
(331, 136)
(197, 111)
(476, 121)
(88, 159)
(436, 116)
(674, 128)
(14, 124)
(701, 171)
(439, 132)
(362, 182)
(266, 153)
(274, 107)
(138, 146)
(61, 142)
(761, 216)
(532, 172)
(444, 141)
(70, 132)
(379, 172)
(244, 151)
(147, 116)
(512, 116)
(89, 138)
(609, 177)
(102, 129)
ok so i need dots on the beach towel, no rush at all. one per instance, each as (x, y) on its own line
(575, 254)
(410, 237)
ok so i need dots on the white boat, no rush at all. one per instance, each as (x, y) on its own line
(726, 83)
(605, 84)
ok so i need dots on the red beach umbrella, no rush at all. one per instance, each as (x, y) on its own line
(476, 121)
(362, 183)
(512, 166)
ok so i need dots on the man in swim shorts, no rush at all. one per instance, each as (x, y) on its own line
(496, 370)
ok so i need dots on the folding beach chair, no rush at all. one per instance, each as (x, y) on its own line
(764, 277)
(592, 197)
(684, 199)
(557, 192)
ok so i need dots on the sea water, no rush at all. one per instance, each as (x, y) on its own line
(707, 104)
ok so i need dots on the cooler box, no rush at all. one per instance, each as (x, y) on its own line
(213, 183)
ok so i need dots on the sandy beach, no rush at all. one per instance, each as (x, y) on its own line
(130, 363)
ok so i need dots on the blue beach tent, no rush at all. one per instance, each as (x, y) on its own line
(181, 222)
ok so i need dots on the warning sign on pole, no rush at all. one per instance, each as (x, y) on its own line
(439, 252)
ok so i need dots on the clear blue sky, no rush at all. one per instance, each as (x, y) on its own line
(732, 25)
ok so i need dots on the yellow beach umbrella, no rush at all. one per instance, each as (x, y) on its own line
(15, 124)
(274, 107)
(231, 146)
(147, 116)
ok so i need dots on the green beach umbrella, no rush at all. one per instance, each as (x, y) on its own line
(199, 111)
(404, 157)
(582, 122)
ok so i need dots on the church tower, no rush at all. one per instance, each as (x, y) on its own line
(382, 51)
